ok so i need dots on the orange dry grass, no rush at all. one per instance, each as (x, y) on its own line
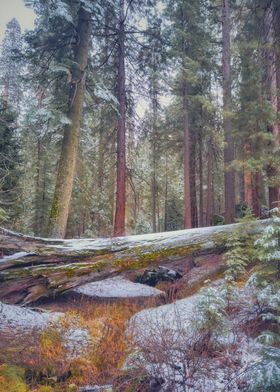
(46, 360)
(110, 343)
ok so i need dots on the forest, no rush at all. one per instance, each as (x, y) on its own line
(139, 197)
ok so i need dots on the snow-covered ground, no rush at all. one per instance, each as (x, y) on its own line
(168, 338)
(19, 318)
(117, 287)
(24, 318)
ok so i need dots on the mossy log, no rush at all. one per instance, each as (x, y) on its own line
(32, 268)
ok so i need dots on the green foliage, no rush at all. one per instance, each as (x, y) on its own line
(211, 310)
(268, 247)
(265, 374)
(9, 163)
(236, 258)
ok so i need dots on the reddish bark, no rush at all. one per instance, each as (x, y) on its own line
(210, 196)
(273, 87)
(193, 181)
(201, 198)
(119, 224)
(248, 180)
(187, 188)
(258, 192)
(229, 145)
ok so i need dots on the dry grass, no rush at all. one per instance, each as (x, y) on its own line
(46, 360)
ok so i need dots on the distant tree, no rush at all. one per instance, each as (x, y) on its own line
(9, 162)
(10, 68)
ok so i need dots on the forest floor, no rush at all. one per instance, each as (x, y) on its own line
(94, 335)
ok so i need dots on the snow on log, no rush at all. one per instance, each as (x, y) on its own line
(32, 268)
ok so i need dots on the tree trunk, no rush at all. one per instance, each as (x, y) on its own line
(187, 187)
(229, 146)
(210, 197)
(154, 187)
(273, 95)
(248, 179)
(69, 150)
(38, 218)
(201, 195)
(258, 193)
(119, 224)
(33, 268)
(193, 181)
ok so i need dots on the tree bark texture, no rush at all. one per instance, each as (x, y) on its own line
(119, 223)
(187, 179)
(70, 143)
(229, 145)
(270, 38)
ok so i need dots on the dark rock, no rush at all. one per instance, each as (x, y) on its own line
(160, 274)
(265, 212)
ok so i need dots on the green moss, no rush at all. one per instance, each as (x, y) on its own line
(149, 256)
(54, 209)
(220, 239)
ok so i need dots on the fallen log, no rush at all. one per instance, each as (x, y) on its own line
(32, 268)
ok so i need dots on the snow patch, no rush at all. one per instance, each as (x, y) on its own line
(15, 256)
(23, 318)
(117, 287)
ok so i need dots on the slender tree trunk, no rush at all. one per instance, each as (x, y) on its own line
(38, 190)
(248, 179)
(193, 181)
(187, 187)
(229, 146)
(201, 196)
(119, 224)
(166, 197)
(210, 197)
(67, 163)
(154, 188)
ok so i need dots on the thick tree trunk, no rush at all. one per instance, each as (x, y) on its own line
(119, 224)
(32, 268)
(229, 146)
(69, 150)
(187, 186)
(270, 38)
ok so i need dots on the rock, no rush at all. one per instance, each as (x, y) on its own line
(160, 274)
(19, 318)
(24, 318)
(96, 388)
(117, 287)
